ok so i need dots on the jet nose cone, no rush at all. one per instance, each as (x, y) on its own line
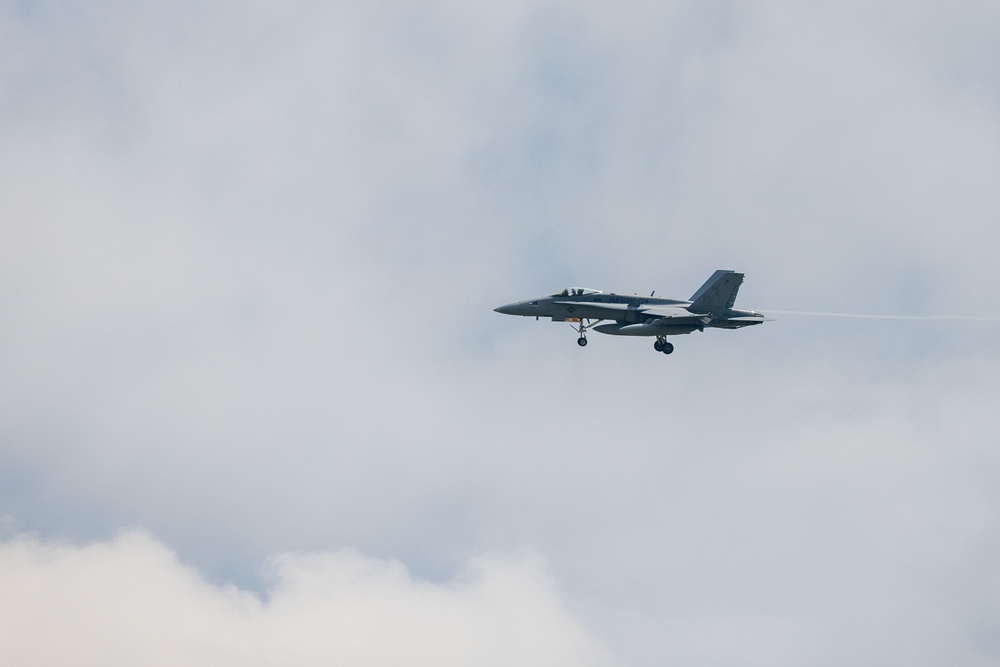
(509, 309)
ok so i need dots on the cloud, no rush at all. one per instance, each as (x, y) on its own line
(129, 600)
(250, 256)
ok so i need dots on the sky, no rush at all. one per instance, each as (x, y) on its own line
(256, 408)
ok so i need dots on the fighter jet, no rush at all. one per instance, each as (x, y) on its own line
(711, 307)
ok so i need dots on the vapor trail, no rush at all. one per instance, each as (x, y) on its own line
(959, 318)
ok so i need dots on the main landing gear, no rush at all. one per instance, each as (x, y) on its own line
(661, 345)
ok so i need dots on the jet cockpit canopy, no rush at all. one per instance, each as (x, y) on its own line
(577, 291)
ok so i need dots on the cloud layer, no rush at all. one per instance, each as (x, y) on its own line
(130, 601)
(249, 258)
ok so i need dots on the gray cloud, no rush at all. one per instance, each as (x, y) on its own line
(249, 258)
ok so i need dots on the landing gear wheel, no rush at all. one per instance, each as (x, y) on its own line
(580, 326)
(658, 346)
(667, 348)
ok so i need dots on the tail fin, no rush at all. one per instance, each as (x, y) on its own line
(718, 294)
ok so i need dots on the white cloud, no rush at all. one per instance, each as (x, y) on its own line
(130, 601)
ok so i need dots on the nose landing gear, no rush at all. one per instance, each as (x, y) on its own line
(661, 345)
(581, 328)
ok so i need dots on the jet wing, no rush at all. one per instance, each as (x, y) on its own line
(594, 304)
(613, 310)
(672, 313)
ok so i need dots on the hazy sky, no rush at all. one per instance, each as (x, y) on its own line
(256, 409)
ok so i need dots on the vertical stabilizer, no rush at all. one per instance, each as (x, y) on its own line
(718, 294)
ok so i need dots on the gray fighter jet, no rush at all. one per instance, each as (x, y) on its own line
(711, 307)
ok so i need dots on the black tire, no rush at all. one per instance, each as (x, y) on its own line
(658, 346)
(668, 348)
(581, 341)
